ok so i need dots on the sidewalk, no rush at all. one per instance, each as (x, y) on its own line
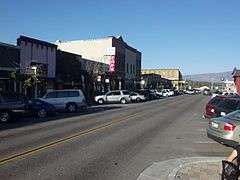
(196, 168)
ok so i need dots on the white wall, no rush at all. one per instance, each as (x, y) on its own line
(95, 50)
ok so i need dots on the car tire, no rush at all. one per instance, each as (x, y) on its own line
(100, 101)
(42, 113)
(123, 101)
(4, 116)
(138, 100)
(71, 107)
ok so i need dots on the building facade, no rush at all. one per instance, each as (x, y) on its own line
(9, 68)
(155, 81)
(124, 61)
(174, 75)
(72, 71)
(39, 58)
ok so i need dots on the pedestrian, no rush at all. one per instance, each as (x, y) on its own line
(230, 166)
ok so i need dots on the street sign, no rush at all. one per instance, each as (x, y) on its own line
(112, 64)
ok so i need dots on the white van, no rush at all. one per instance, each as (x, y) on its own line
(69, 99)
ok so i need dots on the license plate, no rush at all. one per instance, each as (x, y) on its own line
(215, 125)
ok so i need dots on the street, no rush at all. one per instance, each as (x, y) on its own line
(108, 142)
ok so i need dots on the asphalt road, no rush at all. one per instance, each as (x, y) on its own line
(111, 142)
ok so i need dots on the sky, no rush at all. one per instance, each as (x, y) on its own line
(196, 36)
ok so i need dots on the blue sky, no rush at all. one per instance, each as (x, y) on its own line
(196, 36)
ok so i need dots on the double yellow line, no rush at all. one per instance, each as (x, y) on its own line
(65, 139)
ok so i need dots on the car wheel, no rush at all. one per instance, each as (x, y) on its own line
(100, 101)
(71, 107)
(123, 101)
(42, 113)
(138, 99)
(4, 117)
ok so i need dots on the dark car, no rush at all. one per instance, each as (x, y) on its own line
(40, 108)
(13, 107)
(227, 106)
(210, 110)
(207, 92)
(147, 93)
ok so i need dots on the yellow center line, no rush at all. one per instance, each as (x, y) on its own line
(63, 140)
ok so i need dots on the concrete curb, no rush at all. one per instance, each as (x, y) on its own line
(167, 170)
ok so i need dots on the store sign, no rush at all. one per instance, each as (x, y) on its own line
(112, 64)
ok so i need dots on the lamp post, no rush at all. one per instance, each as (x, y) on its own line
(34, 68)
(142, 83)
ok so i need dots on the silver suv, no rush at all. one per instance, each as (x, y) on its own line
(119, 96)
(70, 100)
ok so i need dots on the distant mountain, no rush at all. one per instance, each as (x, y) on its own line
(210, 77)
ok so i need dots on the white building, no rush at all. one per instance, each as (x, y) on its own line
(230, 86)
(42, 56)
(124, 61)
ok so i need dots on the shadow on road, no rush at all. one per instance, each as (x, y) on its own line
(27, 121)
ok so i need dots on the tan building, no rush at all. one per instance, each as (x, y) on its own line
(174, 75)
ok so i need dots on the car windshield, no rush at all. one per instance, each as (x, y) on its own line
(215, 101)
(228, 104)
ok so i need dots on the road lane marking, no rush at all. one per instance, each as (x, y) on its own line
(66, 139)
(52, 144)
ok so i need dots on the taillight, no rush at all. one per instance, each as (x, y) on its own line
(229, 127)
(210, 110)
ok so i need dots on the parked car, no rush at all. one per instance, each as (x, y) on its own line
(226, 129)
(17, 107)
(135, 97)
(210, 109)
(146, 92)
(40, 108)
(190, 92)
(155, 94)
(167, 92)
(118, 96)
(207, 92)
(216, 93)
(178, 93)
(69, 100)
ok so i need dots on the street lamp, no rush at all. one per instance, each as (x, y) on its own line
(34, 68)
(142, 83)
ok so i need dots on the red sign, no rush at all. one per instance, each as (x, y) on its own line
(99, 78)
(112, 64)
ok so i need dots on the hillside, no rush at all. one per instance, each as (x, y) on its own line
(210, 77)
